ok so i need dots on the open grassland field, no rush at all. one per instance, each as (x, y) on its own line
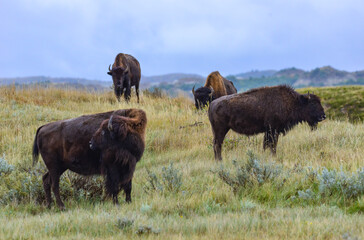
(312, 189)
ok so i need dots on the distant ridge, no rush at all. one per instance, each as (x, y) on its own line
(256, 74)
(176, 83)
(322, 76)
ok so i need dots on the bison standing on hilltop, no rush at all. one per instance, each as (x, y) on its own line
(268, 110)
(109, 143)
(216, 86)
(125, 73)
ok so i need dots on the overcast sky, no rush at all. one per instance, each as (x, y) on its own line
(77, 38)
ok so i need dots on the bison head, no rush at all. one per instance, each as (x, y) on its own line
(313, 110)
(111, 131)
(120, 78)
(203, 96)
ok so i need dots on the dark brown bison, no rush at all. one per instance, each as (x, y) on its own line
(268, 110)
(109, 143)
(125, 73)
(216, 86)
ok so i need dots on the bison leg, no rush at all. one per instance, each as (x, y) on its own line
(47, 188)
(137, 91)
(271, 140)
(118, 93)
(112, 183)
(55, 175)
(127, 190)
(127, 94)
(219, 136)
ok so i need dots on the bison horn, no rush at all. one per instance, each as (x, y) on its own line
(109, 125)
(126, 69)
(193, 90)
(212, 92)
(308, 93)
(109, 68)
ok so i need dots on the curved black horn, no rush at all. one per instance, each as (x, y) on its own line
(109, 68)
(109, 125)
(212, 91)
(193, 90)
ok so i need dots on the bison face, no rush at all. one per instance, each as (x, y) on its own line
(120, 77)
(314, 110)
(203, 96)
(111, 131)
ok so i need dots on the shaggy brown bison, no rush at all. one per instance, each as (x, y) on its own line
(216, 86)
(268, 110)
(125, 73)
(109, 143)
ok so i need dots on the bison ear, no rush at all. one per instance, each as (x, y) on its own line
(304, 98)
(110, 73)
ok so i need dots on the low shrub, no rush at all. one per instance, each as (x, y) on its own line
(125, 224)
(333, 182)
(142, 230)
(24, 185)
(154, 93)
(249, 174)
(170, 180)
(5, 168)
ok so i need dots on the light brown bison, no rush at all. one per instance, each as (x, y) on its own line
(268, 110)
(216, 86)
(109, 143)
(125, 73)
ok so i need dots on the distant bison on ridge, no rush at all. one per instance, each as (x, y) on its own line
(216, 86)
(109, 143)
(268, 110)
(125, 73)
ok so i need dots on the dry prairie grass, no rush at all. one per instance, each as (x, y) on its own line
(205, 207)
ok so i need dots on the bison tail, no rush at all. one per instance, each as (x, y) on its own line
(36, 148)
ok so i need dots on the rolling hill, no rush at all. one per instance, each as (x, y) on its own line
(176, 83)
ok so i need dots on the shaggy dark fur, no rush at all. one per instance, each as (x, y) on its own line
(125, 73)
(268, 110)
(65, 145)
(216, 86)
(121, 142)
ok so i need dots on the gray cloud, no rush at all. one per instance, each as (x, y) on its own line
(80, 38)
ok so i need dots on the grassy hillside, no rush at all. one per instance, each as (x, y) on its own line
(312, 188)
(341, 103)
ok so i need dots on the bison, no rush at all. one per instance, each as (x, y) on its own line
(268, 110)
(125, 73)
(109, 143)
(216, 86)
